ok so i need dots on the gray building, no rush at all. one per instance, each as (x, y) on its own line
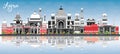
(107, 29)
(79, 22)
(78, 27)
(17, 24)
(32, 26)
(60, 23)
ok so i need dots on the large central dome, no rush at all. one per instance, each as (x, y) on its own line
(35, 15)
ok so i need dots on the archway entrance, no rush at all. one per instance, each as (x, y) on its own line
(61, 25)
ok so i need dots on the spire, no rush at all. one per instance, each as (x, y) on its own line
(53, 14)
(104, 15)
(104, 19)
(34, 12)
(81, 9)
(61, 8)
(44, 17)
(81, 13)
(77, 15)
(17, 17)
(40, 9)
(4, 21)
(81, 17)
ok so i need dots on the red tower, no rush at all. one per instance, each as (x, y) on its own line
(117, 29)
(6, 29)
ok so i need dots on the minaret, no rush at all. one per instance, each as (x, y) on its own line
(69, 16)
(40, 9)
(17, 19)
(104, 19)
(4, 24)
(81, 17)
(52, 16)
(76, 17)
(17, 16)
(44, 17)
(61, 8)
(76, 23)
(68, 19)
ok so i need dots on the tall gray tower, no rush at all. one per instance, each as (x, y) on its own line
(81, 17)
(104, 19)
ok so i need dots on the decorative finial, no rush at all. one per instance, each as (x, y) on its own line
(4, 21)
(104, 15)
(40, 9)
(61, 8)
(81, 9)
(53, 14)
(44, 17)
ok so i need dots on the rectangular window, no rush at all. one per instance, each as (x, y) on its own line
(53, 22)
(53, 17)
(49, 22)
(72, 22)
(68, 22)
(104, 19)
(49, 26)
(69, 17)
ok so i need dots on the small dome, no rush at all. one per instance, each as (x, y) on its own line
(81, 8)
(4, 21)
(76, 14)
(35, 15)
(40, 8)
(44, 22)
(69, 14)
(104, 14)
(52, 14)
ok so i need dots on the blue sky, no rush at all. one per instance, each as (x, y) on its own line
(92, 8)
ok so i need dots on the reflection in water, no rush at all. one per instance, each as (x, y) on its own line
(59, 42)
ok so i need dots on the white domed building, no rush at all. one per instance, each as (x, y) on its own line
(34, 19)
(34, 23)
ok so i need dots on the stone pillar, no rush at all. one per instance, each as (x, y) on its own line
(103, 30)
(15, 30)
(23, 31)
(34, 30)
(18, 30)
(110, 30)
(37, 30)
(30, 31)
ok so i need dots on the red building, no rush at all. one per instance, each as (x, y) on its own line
(7, 30)
(43, 29)
(117, 29)
(91, 29)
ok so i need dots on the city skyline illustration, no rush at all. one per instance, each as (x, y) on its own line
(92, 9)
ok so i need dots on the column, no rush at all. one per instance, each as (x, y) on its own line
(103, 29)
(110, 30)
(37, 30)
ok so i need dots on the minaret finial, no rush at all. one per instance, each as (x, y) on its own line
(61, 7)
(44, 17)
(40, 9)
